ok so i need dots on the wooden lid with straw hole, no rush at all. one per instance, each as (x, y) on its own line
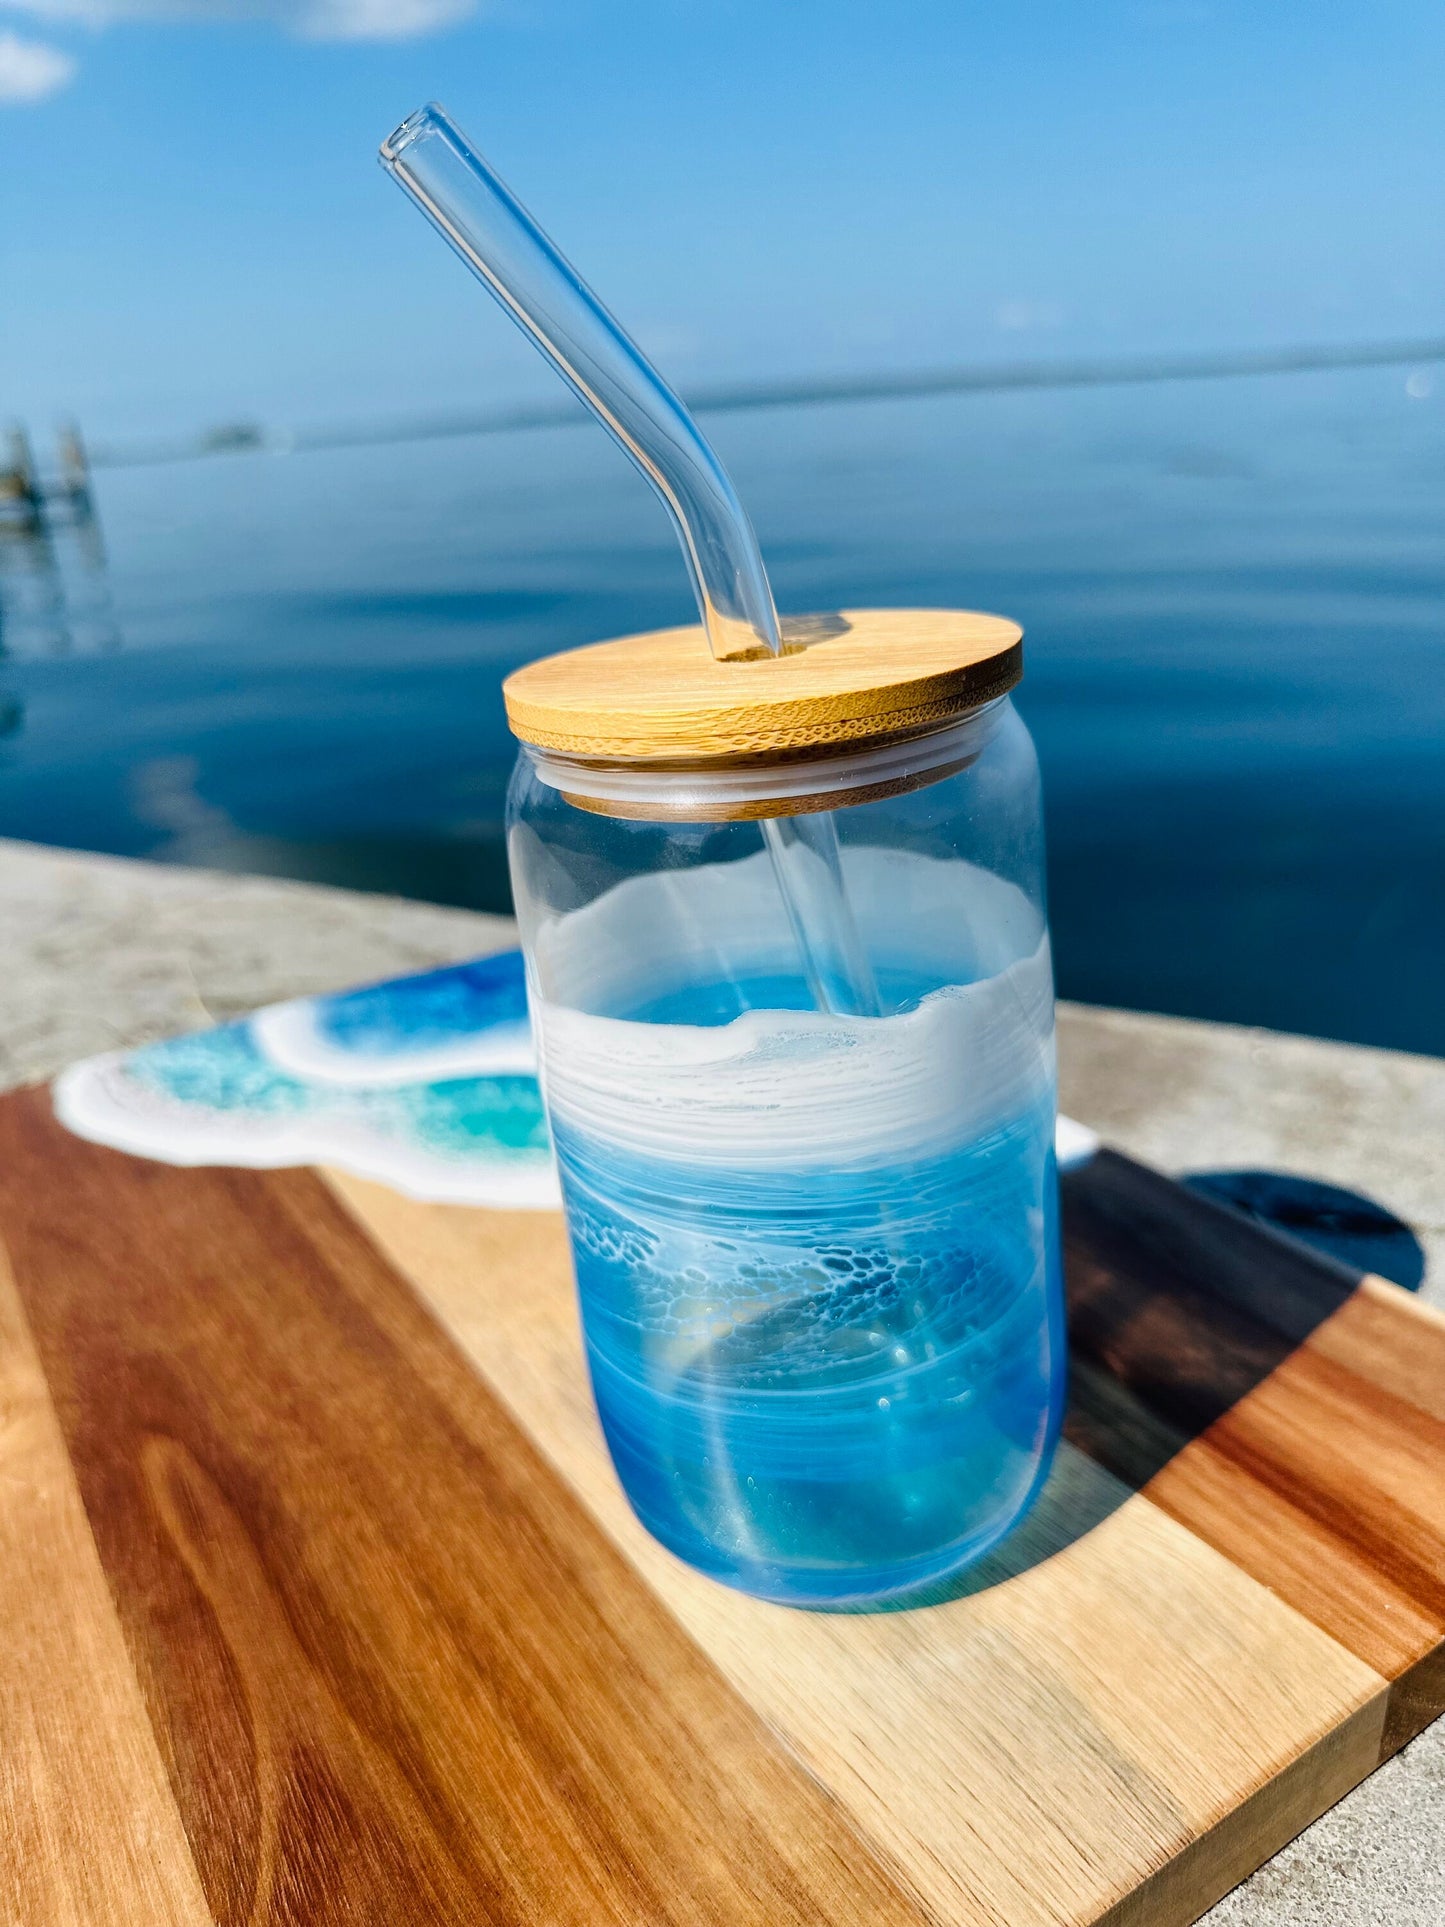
(859, 677)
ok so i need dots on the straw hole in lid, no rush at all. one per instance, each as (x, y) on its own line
(798, 633)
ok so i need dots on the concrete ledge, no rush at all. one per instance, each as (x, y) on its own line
(101, 953)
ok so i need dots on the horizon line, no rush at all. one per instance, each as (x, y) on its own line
(966, 378)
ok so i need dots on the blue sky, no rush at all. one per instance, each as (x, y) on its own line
(193, 227)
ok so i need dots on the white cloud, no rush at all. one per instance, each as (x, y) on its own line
(60, 10)
(1017, 316)
(379, 19)
(314, 19)
(29, 70)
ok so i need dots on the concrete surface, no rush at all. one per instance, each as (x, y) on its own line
(100, 953)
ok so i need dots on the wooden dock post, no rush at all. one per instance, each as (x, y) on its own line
(75, 471)
(21, 502)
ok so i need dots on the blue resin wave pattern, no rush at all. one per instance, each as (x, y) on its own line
(817, 1256)
(824, 1388)
(461, 1020)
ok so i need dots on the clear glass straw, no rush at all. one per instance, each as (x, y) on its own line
(494, 234)
(433, 161)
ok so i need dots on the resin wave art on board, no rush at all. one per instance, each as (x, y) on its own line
(425, 1082)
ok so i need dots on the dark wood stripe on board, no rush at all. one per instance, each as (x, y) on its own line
(1288, 1413)
(1181, 1304)
(397, 1672)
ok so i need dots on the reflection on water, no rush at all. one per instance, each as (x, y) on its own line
(1235, 658)
(55, 599)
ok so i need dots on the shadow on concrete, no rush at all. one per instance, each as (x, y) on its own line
(1343, 1225)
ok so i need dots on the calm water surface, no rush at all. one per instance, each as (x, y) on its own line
(1234, 597)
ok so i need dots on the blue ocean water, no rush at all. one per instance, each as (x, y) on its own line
(825, 1386)
(1233, 592)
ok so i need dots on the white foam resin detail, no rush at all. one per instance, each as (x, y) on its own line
(291, 1037)
(793, 1089)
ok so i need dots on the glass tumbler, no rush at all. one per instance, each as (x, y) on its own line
(794, 1014)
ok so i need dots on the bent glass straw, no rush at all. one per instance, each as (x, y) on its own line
(453, 185)
(431, 158)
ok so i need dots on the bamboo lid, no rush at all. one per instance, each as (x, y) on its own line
(858, 677)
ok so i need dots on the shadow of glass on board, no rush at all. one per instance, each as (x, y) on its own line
(1179, 1305)
(1342, 1224)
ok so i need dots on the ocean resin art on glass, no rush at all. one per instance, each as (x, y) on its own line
(815, 1252)
(780, 894)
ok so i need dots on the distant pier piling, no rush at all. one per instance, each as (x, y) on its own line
(29, 503)
(75, 471)
(22, 504)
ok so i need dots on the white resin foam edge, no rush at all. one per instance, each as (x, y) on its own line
(797, 1089)
(96, 1101)
(289, 1036)
(1074, 1143)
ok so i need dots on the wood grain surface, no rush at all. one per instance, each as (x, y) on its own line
(89, 1835)
(325, 1605)
(395, 1671)
(1297, 1414)
(661, 697)
(1109, 1722)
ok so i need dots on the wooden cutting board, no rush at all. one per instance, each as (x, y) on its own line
(321, 1603)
